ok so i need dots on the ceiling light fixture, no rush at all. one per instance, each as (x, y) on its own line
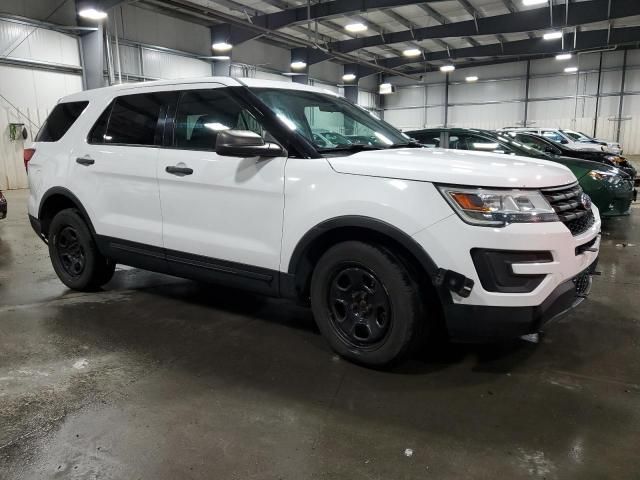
(92, 14)
(299, 65)
(571, 69)
(447, 68)
(356, 27)
(348, 77)
(472, 78)
(552, 35)
(412, 52)
(222, 46)
(528, 3)
(563, 56)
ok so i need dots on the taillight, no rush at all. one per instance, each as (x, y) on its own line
(28, 153)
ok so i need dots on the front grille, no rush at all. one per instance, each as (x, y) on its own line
(568, 205)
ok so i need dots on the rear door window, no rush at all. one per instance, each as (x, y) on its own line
(133, 120)
(60, 120)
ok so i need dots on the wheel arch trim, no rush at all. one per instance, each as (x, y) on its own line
(64, 192)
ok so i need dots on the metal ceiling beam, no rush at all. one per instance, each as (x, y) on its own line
(535, 19)
(593, 39)
(317, 11)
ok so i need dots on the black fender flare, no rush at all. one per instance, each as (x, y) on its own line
(62, 191)
(367, 223)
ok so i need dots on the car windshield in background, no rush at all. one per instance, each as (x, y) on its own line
(330, 122)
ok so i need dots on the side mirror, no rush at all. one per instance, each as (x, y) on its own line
(245, 143)
(564, 142)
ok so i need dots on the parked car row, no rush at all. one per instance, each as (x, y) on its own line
(572, 139)
(610, 188)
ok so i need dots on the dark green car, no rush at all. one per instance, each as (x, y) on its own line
(610, 189)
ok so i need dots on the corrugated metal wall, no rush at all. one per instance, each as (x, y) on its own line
(27, 95)
(556, 99)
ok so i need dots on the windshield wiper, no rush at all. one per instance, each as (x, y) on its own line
(356, 147)
(406, 145)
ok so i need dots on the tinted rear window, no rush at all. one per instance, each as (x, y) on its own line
(60, 120)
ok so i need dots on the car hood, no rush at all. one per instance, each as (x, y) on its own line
(580, 166)
(455, 167)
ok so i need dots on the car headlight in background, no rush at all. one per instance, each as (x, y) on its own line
(614, 158)
(603, 176)
(497, 208)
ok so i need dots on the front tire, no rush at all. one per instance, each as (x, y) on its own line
(366, 303)
(74, 254)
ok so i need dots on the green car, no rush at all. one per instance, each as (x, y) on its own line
(610, 189)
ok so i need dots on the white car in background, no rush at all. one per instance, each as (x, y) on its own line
(612, 147)
(219, 180)
(559, 136)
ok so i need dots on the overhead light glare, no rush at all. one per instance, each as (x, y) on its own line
(356, 27)
(528, 3)
(447, 68)
(222, 46)
(299, 65)
(348, 77)
(563, 56)
(220, 57)
(571, 69)
(552, 35)
(92, 14)
(472, 78)
(412, 52)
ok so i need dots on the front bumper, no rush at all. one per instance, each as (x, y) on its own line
(472, 323)
(617, 199)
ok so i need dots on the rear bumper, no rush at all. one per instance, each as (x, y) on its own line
(474, 323)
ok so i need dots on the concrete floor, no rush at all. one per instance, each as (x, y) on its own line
(159, 378)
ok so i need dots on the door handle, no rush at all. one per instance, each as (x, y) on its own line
(85, 161)
(179, 171)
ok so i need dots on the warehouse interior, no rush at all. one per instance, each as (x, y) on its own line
(159, 377)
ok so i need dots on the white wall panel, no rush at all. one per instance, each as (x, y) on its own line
(490, 117)
(167, 66)
(146, 26)
(33, 93)
(570, 112)
(479, 92)
(32, 43)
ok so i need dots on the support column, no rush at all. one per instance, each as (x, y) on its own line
(620, 104)
(92, 51)
(446, 100)
(597, 110)
(526, 94)
(301, 75)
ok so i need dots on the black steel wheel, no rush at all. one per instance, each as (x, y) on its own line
(366, 303)
(74, 254)
(359, 306)
(70, 252)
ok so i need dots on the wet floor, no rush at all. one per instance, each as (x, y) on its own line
(160, 378)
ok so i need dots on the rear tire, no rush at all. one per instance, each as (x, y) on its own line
(74, 254)
(366, 303)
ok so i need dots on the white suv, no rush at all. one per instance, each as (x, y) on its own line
(219, 180)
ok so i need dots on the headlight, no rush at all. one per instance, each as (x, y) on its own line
(611, 177)
(497, 208)
(614, 158)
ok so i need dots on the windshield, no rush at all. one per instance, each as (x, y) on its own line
(581, 137)
(514, 147)
(330, 122)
